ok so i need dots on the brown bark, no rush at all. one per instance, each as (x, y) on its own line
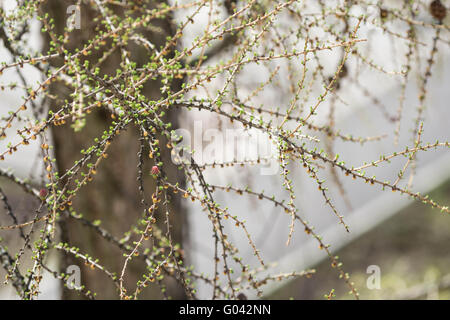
(113, 196)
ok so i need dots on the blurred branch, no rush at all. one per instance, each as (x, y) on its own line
(7, 262)
(424, 289)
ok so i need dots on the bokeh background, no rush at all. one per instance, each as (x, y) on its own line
(407, 240)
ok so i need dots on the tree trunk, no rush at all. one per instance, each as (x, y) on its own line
(113, 196)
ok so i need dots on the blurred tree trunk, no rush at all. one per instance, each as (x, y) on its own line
(113, 196)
